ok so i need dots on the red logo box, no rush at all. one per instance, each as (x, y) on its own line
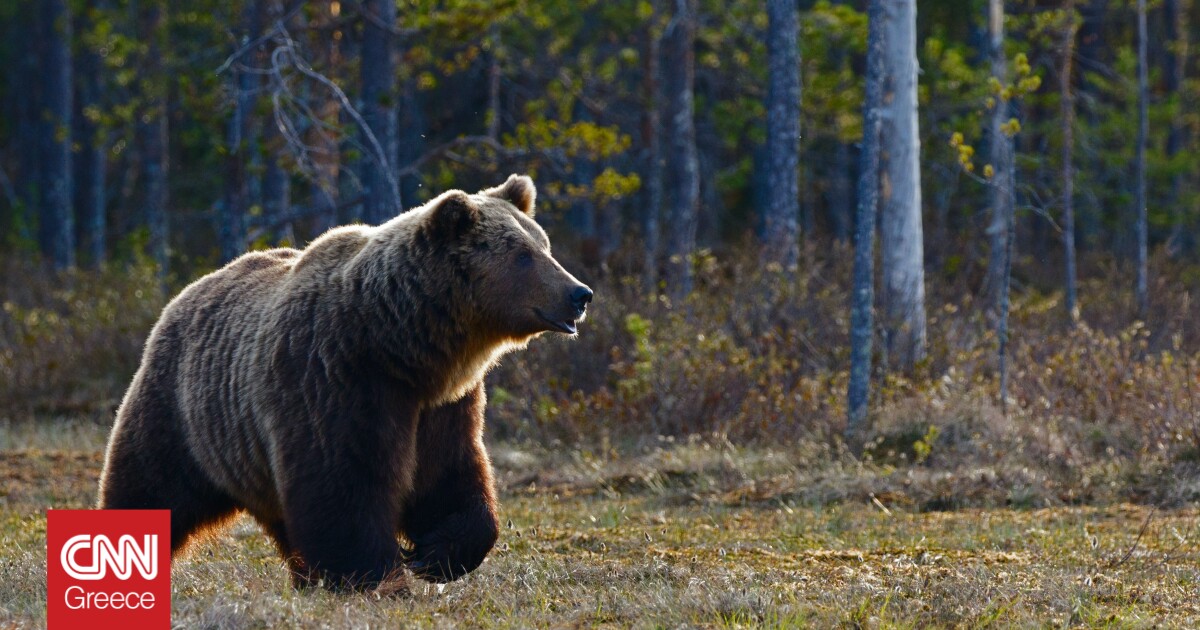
(108, 569)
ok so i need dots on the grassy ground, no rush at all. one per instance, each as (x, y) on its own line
(693, 534)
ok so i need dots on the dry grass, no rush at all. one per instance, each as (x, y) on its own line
(696, 533)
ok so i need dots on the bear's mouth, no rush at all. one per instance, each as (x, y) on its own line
(565, 325)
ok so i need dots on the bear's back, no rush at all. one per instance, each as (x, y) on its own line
(209, 339)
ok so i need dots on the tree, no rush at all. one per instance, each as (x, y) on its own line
(902, 251)
(861, 318)
(1002, 178)
(56, 230)
(153, 130)
(1067, 119)
(679, 65)
(90, 160)
(1143, 128)
(277, 184)
(652, 141)
(323, 132)
(1001, 148)
(1176, 13)
(783, 134)
(234, 212)
(381, 194)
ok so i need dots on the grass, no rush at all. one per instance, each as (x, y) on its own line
(694, 533)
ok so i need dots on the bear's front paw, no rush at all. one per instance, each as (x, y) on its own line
(454, 549)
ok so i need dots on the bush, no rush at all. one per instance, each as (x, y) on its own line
(1101, 410)
(69, 342)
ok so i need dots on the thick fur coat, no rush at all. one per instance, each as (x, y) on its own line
(336, 393)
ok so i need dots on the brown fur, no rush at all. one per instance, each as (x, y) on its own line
(336, 393)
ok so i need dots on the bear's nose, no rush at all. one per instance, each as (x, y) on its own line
(580, 297)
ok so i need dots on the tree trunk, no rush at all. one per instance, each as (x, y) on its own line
(90, 160)
(652, 140)
(153, 132)
(381, 194)
(326, 153)
(861, 318)
(1001, 147)
(28, 45)
(1140, 183)
(1002, 188)
(1067, 103)
(783, 134)
(277, 183)
(56, 230)
(902, 251)
(1095, 52)
(1176, 13)
(678, 78)
(231, 219)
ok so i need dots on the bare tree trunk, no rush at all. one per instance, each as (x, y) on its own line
(861, 317)
(277, 184)
(231, 218)
(1140, 184)
(783, 135)
(902, 250)
(679, 77)
(56, 230)
(652, 140)
(1176, 13)
(90, 160)
(1001, 160)
(1001, 229)
(381, 196)
(153, 132)
(1067, 103)
(326, 153)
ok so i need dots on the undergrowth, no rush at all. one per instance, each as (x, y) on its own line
(1106, 410)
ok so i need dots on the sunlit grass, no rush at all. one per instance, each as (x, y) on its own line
(674, 539)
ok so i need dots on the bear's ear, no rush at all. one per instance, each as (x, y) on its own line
(518, 191)
(452, 214)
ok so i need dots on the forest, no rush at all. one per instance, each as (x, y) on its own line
(860, 266)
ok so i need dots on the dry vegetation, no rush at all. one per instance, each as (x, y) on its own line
(680, 465)
(683, 535)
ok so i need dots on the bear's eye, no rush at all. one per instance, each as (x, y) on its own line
(524, 259)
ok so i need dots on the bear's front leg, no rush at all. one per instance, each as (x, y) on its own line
(342, 495)
(343, 537)
(451, 516)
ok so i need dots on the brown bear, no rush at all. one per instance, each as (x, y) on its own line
(336, 393)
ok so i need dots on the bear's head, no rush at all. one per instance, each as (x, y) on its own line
(518, 289)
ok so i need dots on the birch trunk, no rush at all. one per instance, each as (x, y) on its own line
(901, 240)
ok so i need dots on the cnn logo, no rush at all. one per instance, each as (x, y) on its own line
(103, 569)
(121, 558)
